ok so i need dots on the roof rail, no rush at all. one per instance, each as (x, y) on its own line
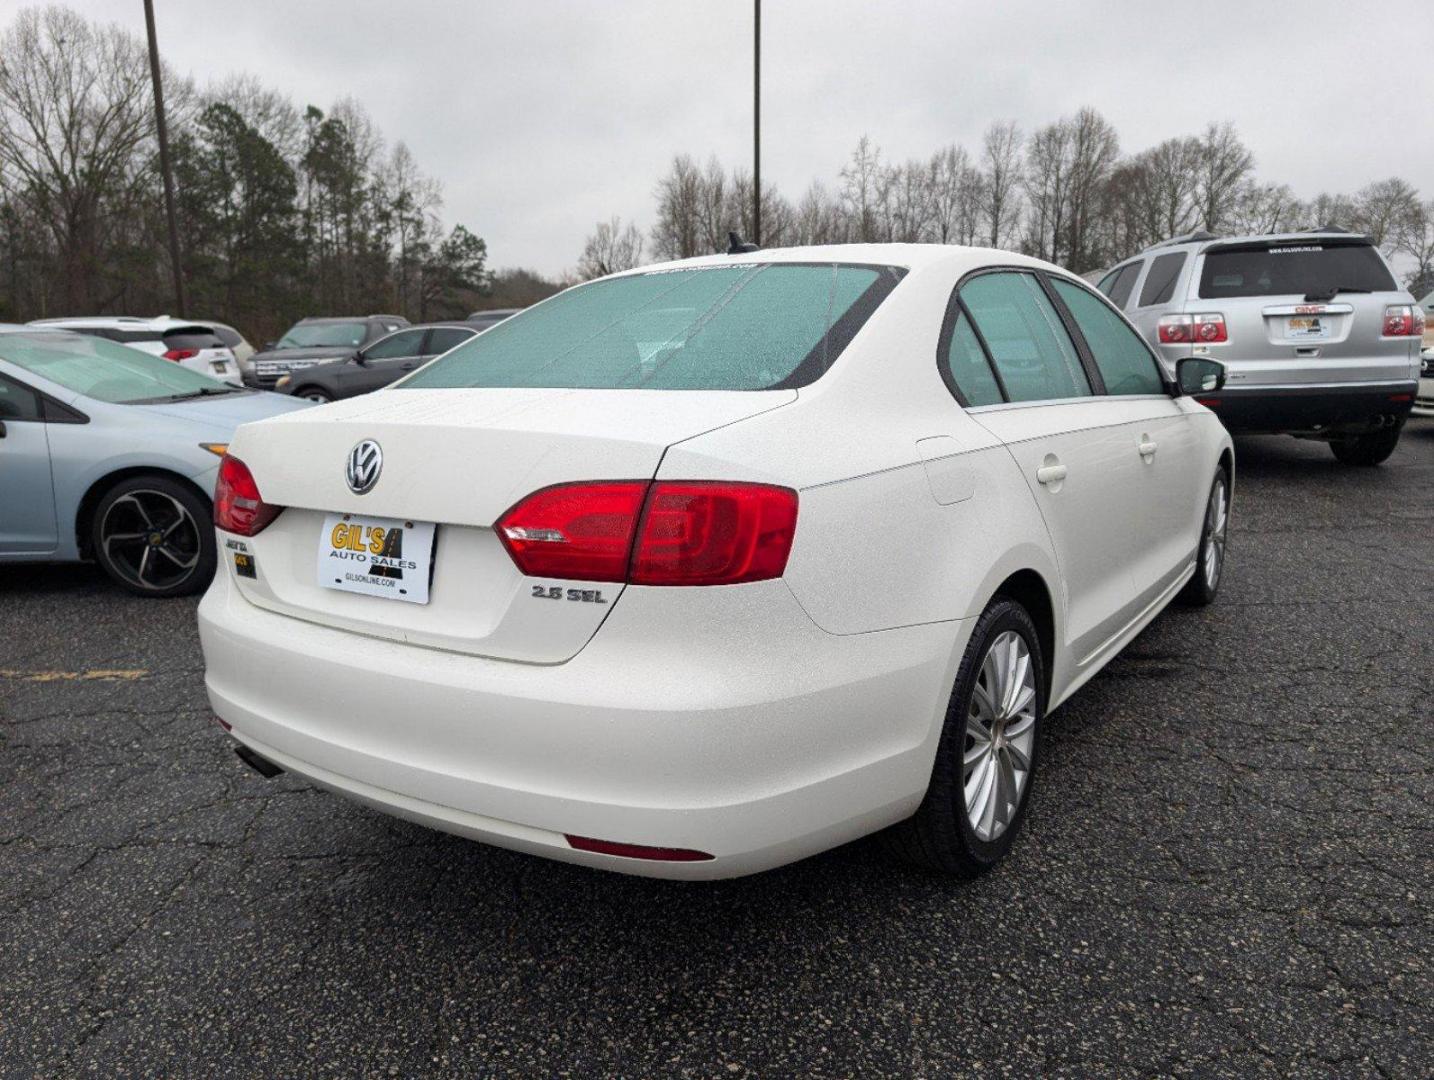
(1186, 238)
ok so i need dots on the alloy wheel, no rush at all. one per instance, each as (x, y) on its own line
(1000, 732)
(150, 539)
(1217, 520)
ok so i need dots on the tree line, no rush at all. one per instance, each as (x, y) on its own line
(1065, 192)
(283, 212)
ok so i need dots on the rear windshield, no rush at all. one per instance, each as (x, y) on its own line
(752, 326)
(102, 370)
(324, 335)
(192, 337)
(1293, 270)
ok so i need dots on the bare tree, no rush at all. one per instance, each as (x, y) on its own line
(1001, 179)
(863, 184)
(1225, 164)
(611, 248)
(818, 218)
(1046, 181)
(1415, 238)
(1264, 208)
(76, 127)
(1382, 207)
(678, 233)
(955, 197)
(1095, 148)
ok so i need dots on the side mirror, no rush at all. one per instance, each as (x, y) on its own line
(270, 345)
(359, 358)
(1199, 375)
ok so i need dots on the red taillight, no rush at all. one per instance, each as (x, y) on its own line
(181, 354)
(637, 851)
(582, 532)
(1210, 329)
(238, 506)
(663, 533)
(1175, 330)
(1403, 320)
(1204, 329)
(706, 533)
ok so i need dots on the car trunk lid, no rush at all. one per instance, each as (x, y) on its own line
(459, 458)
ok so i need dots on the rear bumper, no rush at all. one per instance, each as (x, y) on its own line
(1424, 399)
(1316, 410)
(745, 732)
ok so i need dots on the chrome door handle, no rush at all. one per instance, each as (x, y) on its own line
(1148, 447)
(1051, 474)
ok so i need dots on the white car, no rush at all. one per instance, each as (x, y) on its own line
(1424, 397)
(814, 561)
(192, 345)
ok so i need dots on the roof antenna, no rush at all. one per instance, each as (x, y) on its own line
(737, 246)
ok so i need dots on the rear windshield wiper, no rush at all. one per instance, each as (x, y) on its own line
(1331, 292)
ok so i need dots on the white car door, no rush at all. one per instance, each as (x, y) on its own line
(1170, 484)
(27, 494)
(1071, 447)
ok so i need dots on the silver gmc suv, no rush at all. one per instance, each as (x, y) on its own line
(1317, 338)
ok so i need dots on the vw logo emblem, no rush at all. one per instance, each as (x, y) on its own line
(365, 463)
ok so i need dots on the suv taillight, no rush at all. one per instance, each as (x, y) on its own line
(665, 532)
(180, 354)
(238, 506)
(1204, 329)
(1403, 320)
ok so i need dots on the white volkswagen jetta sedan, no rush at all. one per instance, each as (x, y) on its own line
(702, 568)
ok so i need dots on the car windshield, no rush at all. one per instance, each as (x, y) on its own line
(1293, 269)
(751, 326)
(323, 335)
(105, 371)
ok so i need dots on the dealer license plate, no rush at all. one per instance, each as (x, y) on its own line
(1307, 327)
(376, 556)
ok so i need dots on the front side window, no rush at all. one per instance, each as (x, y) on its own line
(751, 326)
(324, 335)
(18, 402)
(105, 371)
(1125, 364)
(1028, 343)
(405, 344)
(1159, 284)
(1118, 283)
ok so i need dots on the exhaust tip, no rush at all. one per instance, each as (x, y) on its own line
(261, 765)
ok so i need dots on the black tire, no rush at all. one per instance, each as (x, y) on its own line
(314, 393)
(940, 835)
(1371, 449)
(1201, 590)
(128, 519)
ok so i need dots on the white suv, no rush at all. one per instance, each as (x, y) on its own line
(191, 345)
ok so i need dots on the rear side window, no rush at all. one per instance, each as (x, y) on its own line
(750, 326)
(1028, 342)
(1118, 284)
(1125, 364)
(443, 338)
(18, 402)
(1293, 270)
(192, 337)
(405, 344)
(1159, 284)
(964, 363)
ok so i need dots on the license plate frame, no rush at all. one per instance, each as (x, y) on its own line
(359, 554)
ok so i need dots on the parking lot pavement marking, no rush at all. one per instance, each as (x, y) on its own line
(97, 674)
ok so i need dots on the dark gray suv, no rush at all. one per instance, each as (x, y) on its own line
(313, 341)
(1317, 338)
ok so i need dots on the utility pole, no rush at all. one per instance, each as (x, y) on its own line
(164, 160)
(756, 121)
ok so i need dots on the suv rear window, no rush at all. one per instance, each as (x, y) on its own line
(1293, 269)
(192, 337)
(753, 326)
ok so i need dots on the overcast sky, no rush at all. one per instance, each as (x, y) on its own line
(541, 117)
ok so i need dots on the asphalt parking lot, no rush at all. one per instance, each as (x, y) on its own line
(1227, 869)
